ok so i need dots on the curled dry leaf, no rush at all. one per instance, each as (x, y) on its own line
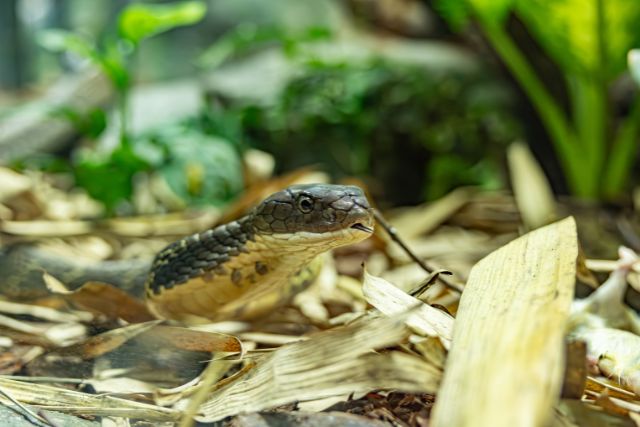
(424, 319)
(327, 364)
(509, 331)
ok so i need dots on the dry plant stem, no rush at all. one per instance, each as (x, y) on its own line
(427, 282)
(391, 231)
(31, 416)
(44, 379)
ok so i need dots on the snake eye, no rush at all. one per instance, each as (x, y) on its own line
(305, 204)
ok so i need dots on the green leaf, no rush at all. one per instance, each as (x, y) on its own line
(201, 168)
(492, 11)
(633, 58)
(57, 40)
(108, 177)
(585, 36)
(139, 21)
(455, 12)
(114, 65)
(458, 12)
(90, 123)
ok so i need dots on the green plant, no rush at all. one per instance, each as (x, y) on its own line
(588, 40)
(108, 176)
(136, 22)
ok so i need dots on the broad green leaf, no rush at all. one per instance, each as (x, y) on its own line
(571, 30)
(57, 40)
(139, 21)
(633, 58)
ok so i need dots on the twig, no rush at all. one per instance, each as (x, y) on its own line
(393, 234)
(31, 416)
(427, 282)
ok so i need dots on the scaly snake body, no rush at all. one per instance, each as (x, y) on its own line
(239, 270)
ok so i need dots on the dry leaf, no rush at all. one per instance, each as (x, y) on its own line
(102, 298)
(192, 340)
(98, 345)
(327, 364)
(42, 228)
(508, 335)
(413, 222)
(391, 301)
(530, 187)
(13, 183)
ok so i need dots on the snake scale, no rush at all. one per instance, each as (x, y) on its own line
(240, 270)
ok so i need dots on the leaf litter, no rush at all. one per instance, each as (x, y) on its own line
(366, 343)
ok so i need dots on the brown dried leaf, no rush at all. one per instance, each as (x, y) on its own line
(102, 298)
(193, 340)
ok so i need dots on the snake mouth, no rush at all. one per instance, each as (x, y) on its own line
(360, 226)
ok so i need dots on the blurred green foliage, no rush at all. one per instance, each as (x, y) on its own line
(418, 133)
(589, 41)
(199, 168)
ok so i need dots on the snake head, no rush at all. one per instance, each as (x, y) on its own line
(316, 212)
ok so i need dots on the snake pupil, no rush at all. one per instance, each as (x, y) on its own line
(305, 204)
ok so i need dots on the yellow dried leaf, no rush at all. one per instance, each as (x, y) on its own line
(530, 187)
(507, 356)
(424, 319)
(327, 364)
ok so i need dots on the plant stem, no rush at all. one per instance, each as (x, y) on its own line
(552, 116)
(589, 104)
(123, 101)
(622, 154)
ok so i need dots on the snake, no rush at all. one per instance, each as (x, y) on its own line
(242, 270)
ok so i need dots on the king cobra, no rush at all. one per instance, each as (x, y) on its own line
(240, 270)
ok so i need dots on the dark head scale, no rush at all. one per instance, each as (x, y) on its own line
(314, 208)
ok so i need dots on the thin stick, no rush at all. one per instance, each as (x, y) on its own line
(31, 416)
(391, 231)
